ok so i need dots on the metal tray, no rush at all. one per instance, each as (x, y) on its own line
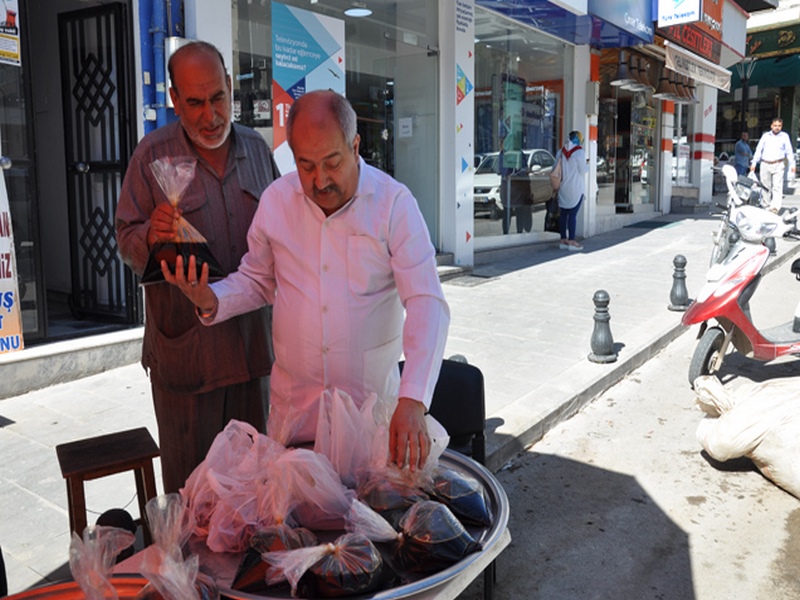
(446, 583)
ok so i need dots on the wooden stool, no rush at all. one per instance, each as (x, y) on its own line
(92, 458)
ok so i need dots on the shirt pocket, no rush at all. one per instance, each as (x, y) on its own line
(369, 269)
(179, 363)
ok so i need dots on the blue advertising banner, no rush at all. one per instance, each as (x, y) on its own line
(307, 54)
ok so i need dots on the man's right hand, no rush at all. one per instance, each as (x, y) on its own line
(163, 224)
(197, 290)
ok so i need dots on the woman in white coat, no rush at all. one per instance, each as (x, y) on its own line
(573, 188)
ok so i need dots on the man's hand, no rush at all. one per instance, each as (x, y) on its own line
(163, 224)
(408, 435)
(196, 290)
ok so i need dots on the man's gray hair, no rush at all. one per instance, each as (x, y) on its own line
(337, 105)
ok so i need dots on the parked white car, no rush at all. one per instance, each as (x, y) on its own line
(536, 168)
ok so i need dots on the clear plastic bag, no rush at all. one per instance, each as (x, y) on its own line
(349, 566)
(464, 495)
(92, 558)
(173, 175)
(345, 432)
(169, 575)
(433, 539)
(252, 571)
(321, 500)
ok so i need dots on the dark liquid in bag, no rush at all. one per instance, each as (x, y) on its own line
(169, 251)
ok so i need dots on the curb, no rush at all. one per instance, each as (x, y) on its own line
(502, 447)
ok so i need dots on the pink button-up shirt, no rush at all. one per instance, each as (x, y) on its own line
(352, 292)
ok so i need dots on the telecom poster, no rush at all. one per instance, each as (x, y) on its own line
(307, 54)
(10, 316)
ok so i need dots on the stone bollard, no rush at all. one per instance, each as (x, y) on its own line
(602, 340)
(678, 295)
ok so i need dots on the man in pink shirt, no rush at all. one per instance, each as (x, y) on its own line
(342, 252)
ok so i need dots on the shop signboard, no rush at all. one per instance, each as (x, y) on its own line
(696, 67)
(778, 41)
(10, 313)
(307, 54)
(678, 12)
(632, 16)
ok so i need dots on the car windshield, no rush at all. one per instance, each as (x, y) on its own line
(490, 163)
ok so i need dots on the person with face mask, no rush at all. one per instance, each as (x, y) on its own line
(201, 377)
(572, 191)
(343, 253)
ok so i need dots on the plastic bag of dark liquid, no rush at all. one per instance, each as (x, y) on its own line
(464, 495)
(432, 539)
(174, 175)
(252, 571)
(349, 566)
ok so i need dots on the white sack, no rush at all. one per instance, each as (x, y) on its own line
(760, 421)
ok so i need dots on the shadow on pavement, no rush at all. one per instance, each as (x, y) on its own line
(579, 531)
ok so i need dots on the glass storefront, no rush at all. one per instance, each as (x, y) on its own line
(520, 80)
(627, 127)
(391, 74)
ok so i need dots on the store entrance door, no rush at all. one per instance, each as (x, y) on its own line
(96, 94)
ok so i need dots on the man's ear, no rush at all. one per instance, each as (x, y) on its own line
(174, 95)
(356, 143)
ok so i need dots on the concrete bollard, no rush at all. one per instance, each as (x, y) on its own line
(679, 295)
(602, 340)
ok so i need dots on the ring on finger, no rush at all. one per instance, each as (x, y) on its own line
(194, 284)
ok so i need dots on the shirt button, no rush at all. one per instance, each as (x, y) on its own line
(233, 249)
(325, 268)
(324, 349)
(324, 309)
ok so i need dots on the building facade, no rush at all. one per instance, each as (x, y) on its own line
(439, 87)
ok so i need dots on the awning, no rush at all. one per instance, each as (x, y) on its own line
(783, 71)
(696, 67)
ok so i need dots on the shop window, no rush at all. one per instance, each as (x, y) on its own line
(519, 112)
(627, 131)
(389, 68)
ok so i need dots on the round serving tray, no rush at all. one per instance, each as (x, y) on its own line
(426, 587)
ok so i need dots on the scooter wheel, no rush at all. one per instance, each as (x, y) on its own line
(707, 349)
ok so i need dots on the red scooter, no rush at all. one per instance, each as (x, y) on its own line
(726, 299)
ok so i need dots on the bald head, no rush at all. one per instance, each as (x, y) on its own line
(190, 54)
(324, 106)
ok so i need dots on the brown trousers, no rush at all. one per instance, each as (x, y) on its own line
(188, 423)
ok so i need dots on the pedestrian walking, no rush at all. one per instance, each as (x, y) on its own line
(774, 152)
(743, 154)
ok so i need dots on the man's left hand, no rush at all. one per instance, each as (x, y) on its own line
(408, 435)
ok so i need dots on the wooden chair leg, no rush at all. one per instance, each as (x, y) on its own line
(145, 490)
(76, 504)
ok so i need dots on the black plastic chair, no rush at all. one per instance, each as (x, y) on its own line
(459, 405)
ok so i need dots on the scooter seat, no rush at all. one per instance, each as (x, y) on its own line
(796, 267)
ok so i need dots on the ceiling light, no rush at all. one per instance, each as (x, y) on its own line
(623, 75)
(358, 9)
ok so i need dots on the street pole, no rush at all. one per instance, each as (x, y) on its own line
(745, 70)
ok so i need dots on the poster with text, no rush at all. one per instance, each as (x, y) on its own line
(307, 54)
(9, 33)
(10, 315)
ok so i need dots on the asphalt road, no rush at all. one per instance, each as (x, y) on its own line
(621, 501)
